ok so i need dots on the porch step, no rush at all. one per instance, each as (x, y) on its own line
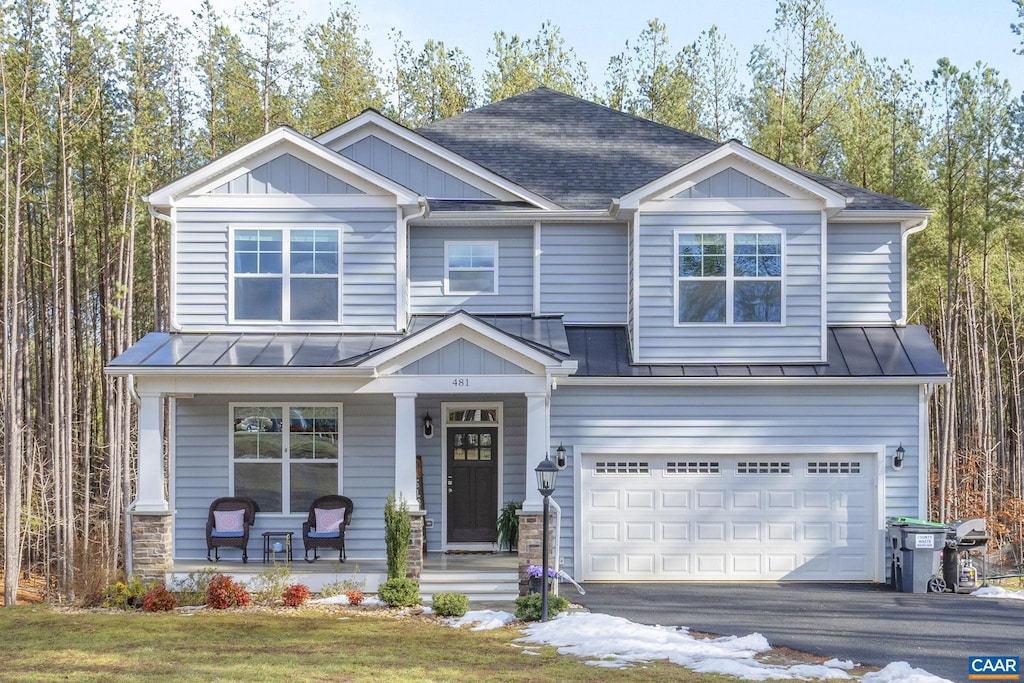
(478, 586)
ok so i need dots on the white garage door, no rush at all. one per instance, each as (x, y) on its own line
(676, 518)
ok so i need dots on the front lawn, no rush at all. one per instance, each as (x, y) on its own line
(42, 644)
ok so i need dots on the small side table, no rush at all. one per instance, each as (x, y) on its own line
(268, 546)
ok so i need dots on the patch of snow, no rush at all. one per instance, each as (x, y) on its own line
(840, 664)
(997, 592)
(901, 672)
(485, 619)
(342, 599)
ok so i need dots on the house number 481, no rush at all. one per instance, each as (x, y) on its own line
(460, 382)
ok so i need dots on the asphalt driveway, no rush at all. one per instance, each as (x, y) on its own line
(867, 623)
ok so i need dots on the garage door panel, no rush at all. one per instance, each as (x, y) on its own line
(770, 518)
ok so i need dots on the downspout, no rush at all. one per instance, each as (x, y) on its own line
(903, 268)
(173, 322)
(403, 272)
(129, 550)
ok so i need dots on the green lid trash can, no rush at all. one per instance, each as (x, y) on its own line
(916, 547)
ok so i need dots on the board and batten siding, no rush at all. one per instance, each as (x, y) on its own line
(515, 270)
(662, 341)
(201, 466)
(864, 278)
(741, 419)
(286, 175)
(584, 272)
(462, 358)
(369, 291)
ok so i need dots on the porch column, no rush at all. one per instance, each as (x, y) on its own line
(536, 445)
(150, 494)
(405, 449)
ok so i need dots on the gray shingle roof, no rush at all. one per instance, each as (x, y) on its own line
(581, 155)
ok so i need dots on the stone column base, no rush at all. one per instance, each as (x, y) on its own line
(531, 549)
(152, 545)
(414, 566)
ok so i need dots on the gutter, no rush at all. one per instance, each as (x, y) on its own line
(815, 380)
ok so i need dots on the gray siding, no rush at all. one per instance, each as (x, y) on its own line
(462, 358)
(584, 272)
(798, 340)
(286, 175)
(201, 471)
(369, 293)
(407, 170)
(729, 183)
(740, 418)
(515, 270)
(864, 264)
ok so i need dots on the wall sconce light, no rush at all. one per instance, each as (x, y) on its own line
(428, 427)
(560, 461)
(897, 458)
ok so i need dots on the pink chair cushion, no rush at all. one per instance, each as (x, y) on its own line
(328, 520)
(229, 520)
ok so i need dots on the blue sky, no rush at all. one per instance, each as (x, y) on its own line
(919, 30)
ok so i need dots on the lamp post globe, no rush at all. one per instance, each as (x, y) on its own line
(547, 473)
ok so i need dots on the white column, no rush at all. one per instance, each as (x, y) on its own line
(150, 496)
(405, 449)
(536, 445)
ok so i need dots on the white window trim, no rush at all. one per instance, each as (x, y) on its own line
(729, 277)
(285, 275)
(499, 408)
(470, 243)
(285, 443)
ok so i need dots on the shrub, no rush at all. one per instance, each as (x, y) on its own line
(223, 593)
(508, 526)
(124, 594)
(399, 592)
(295, 595)
(159, 600)
(397, 532)
(343, 586)
(355, 596)
(450, 604)
(191, 589)
(528, 607)
(267, 586)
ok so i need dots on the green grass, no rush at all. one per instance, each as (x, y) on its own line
(41, 644)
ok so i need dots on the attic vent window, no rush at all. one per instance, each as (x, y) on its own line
(622, 467)
(833, 467)
(693, 467)
(763, 467)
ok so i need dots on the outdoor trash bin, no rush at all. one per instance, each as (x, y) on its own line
(916, 547)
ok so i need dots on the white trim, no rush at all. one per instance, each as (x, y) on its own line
(286, 407)
(174, 266)
(823, 270)
(286, 275)
(288, 139)
(906, 216)
(730, 277)
(924, 459)
(448, 291)
(472, 173)
(499, 407)
(537, 251)
(734, 205)
(285, 201)
(634, 264)
(517, 216)
(904, 243)
(733, 151)
(751, 381)
(172, 465)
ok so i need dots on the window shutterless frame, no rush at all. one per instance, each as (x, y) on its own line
(470, 267)
(293, 274)
(713, 268)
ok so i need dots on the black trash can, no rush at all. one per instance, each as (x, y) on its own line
(916, 547)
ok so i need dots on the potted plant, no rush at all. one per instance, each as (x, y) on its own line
(508, 526)
(535, 572)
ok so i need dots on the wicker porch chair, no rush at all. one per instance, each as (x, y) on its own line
(333, 537)
(229, 538)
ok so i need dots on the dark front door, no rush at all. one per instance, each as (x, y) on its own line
(472, 484)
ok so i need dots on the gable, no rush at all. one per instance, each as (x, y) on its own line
(286, 174)
(462, 357)
(729, 184)
(409, 170)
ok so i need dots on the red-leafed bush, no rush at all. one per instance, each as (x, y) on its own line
(159, 600)
(295, 595)
(355, 596)
(223, 593)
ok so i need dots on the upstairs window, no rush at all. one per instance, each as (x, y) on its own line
(729, 277)
(287, 275)
(470, 267)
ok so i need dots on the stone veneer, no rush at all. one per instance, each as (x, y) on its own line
(152, 545)
(531, 531)
(414, 566)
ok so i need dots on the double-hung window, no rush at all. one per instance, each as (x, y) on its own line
(285, 456)
(287, 274)
(471, 268)
(729, 277)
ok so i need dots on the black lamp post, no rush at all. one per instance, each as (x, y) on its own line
(547, 472)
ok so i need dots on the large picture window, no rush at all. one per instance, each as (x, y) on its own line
(471, 268)
(286, 275)
(285, 456)
(729, 277)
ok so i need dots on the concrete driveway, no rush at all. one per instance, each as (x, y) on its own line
(870, 624)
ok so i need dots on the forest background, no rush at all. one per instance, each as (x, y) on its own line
(94, 117)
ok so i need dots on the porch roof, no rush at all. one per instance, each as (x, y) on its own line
(869, 351)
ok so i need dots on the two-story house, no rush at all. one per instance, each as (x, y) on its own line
(717, 342)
